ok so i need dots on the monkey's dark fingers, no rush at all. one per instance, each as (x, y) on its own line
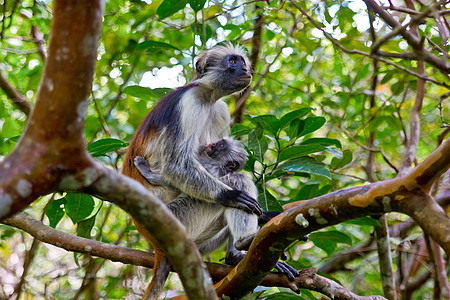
(251, 202)
(244, 243)
(283, 256)
(267, 216)
(240, 200)
(284, 268)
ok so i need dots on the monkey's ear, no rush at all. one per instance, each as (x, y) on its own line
(199, 69)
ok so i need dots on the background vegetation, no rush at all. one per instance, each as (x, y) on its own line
(337, 101)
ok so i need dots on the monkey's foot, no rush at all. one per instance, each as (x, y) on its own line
(142, 165)
(245, 242)
(233, 258)
(286, 269)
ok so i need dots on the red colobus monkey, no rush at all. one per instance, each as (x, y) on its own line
(169, 139)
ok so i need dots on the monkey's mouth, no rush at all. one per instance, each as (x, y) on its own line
(246, 79)
(210, 150)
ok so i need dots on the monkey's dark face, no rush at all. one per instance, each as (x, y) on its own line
(236, 74)
(218, 148)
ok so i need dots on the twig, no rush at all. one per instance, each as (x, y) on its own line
(402, 29)
(385, 258)
(17, 98)
(414, 116)
(439, 106)
(247, 92)
(414, 40)
(339, 46)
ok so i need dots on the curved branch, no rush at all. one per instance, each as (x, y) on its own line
(51, 155)
(153, 214)
(403, 194)
(113, 252)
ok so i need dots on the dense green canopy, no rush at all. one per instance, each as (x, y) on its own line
(342, 96)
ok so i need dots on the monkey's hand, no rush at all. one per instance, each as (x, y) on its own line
(144, 168)
(241, 200)
(284, 268)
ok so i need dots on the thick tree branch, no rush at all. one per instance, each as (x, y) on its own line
(300, 218)
(51, 155)
(116, 253)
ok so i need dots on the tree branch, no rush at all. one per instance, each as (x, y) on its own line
(116, 253)
(17, 98)
(414, 116)
(51, 155)
(339, 46)
(300, 218)
(411, 38)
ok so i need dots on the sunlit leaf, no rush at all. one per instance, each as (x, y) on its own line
(155, 44)
(78, 206)
(84, 227)
(299, 151)
(55, 211)
(169, 7)
(306, 165)
(103, 146)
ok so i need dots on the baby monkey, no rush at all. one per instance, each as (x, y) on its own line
(221, 159)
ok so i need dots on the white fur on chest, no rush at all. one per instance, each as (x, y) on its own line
(203, 122)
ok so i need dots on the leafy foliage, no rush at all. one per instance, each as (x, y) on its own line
(309, 121)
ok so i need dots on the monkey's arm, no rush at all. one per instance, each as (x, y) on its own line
(144, 168)
(188, 175)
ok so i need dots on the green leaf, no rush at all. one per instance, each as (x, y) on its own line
(103, 146)
(327, 240)
(169, 7)
(335, 152)
(55, 211)
(10, 128)
(78, 206)
(366, 221)
(258, 143)
(299, 113)
(312, 124)
(267, 200)
(146, 93)
(13, 139)
(363, 72)
(323, 142)
(294, 129)
(268, 122)
(85, 226)
(154, 44)
(239, 130)
(310, 191)
(305, 165)
(339, 163)
(299, 151)
(197, 5)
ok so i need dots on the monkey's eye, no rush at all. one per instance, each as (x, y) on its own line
(232, 61)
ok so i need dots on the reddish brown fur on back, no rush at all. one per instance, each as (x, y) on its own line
(136, 148)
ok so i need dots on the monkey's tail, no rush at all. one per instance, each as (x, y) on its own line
(161, 271)
(161, 267)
